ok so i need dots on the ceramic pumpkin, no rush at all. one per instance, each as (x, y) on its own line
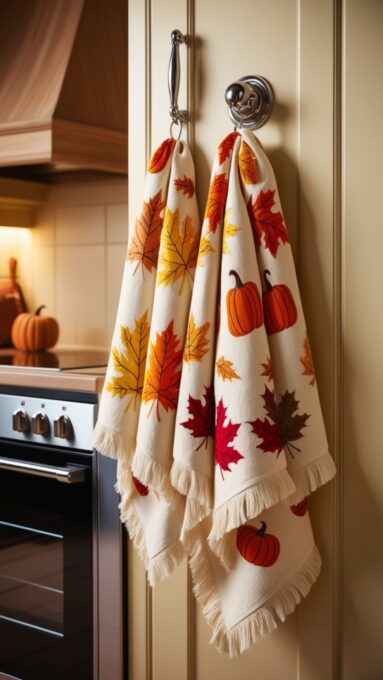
(33, 333)
(300, 508)
(256, 546)
(278, 306)
(244, 307)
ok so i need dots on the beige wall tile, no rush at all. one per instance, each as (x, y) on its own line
(80, 295)
(80, 225)
(41, 290)
(114, 269)
(117, 223)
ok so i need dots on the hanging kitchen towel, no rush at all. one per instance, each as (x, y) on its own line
(138, 405)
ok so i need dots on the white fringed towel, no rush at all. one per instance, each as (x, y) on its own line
(210, 401)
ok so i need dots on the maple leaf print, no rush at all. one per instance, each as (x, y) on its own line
(228, 230)
(161, 156)
(216, 201)
(130, 363)
(225, 369)
(145, 242)
(196, 343)
(283, 425)
(247, 163)
(178, 249)
(267, 369)
(307, 360)
(266, 222)
(225, 453)
(226, 146)
(185, 185)
(163, 373)
(201, 422)
(141, 488)
(205, 248)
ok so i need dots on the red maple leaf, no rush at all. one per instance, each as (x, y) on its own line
(201, 422)
(224, 435)
(266, 222)
(226, 146)
(215, 205)
(284, 424)
(186, 185)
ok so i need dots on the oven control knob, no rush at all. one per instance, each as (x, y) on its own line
(20, 421)
(40, 423)
(63, 427)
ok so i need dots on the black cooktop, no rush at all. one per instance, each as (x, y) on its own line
(55, 360)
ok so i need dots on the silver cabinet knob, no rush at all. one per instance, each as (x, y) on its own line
(40, 424)
(63, 427)
(20, 421)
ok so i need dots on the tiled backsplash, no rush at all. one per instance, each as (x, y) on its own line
(72, 261)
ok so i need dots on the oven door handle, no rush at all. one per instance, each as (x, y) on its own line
(70, 474)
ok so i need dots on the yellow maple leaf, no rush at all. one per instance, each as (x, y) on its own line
(205, 248)
(196, 343)
(178, 249)
(248, 166)
(130, 363)
(225, 369)
(228, 230)
(307, 360)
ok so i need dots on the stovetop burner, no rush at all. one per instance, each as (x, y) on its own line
(55, 359)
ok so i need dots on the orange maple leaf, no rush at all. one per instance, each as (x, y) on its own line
(226, 146)
(225, 369)
(307, 360)
(186, 185)
(145, 242)
(216, 199)
(266, 222)
(161, 155)
(267, 369)
(163, 373)
(247, 163)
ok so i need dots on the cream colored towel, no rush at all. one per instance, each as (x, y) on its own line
(225, 437)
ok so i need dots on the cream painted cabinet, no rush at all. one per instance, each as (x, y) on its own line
(325, 61)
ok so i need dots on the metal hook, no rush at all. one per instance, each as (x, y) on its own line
(178, 117)
(250, 101)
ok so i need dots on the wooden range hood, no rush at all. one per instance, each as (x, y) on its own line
(63, 86)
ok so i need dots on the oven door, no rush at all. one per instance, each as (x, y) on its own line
(45, 563)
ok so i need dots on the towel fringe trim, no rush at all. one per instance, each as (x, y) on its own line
(247, 505)
(264, 620)
(162, 565)
(313, 475)
(110, 442)
(155, 475)
(197, 487)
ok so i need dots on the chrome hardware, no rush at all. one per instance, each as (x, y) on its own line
(250, 101)
(178, 116)
(40, 424)
(20, 421)
(71, 474)
(62, 427)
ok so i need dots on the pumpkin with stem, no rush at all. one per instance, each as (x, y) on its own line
(256, 546)
(244, 307)
(33, 333)
(279, 307)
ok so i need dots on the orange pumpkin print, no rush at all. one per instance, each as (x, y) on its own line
(279, 307)
(244, 307)
(256, 546)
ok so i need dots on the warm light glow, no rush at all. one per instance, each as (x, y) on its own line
(15, 236)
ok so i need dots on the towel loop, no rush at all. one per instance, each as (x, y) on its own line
(250, 101)
(178, 116)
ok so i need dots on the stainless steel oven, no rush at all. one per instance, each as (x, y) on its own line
(62, 548)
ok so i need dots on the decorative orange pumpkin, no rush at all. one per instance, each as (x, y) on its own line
(244, 307)
(256, 546)
(33, 333)
(300, 508)
(278, 307)
(140, 487)
(35, 359)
